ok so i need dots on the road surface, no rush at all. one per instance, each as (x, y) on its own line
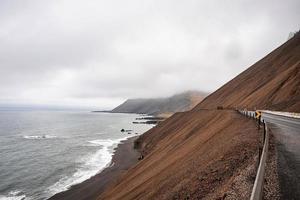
(287, 135)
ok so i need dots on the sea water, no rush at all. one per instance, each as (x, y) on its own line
(45, 152)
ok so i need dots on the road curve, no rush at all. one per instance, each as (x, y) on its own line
(287, 138)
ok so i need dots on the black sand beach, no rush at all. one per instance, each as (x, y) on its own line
(124, 157)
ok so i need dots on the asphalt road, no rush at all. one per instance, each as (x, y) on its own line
(287, 135)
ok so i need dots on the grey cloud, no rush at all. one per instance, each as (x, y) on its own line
(98, 53)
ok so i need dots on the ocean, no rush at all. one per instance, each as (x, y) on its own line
(45, 152)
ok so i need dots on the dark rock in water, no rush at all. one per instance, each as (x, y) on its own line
(151, 118)
(136, 133)
(128, 132)
(147, 122)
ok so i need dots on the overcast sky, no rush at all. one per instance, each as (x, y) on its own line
(99, 53)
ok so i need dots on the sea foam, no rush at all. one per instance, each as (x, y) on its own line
(91, 165)
(39, 137)
(14, 195)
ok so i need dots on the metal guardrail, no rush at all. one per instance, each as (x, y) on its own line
(257, 191)
(258, 187)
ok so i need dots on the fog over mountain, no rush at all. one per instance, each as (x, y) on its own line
(162, 106)
(99, 53)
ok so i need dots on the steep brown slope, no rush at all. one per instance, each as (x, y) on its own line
(271, 83)
(193, 154)
(207, 153)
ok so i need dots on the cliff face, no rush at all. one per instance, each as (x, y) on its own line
(177, 103)
(208, 153)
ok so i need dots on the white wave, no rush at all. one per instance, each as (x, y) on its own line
(13, 195)
(39, 137)
(104, 142)
(100, 133)
(91, 165)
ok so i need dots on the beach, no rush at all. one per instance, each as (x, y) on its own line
(124, 157)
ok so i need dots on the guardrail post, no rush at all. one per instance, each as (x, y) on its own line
(264, 123)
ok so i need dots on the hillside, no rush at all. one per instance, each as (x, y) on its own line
(177, 103)
(271, 83)
(208, 153)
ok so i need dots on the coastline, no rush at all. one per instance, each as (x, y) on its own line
(124, 157)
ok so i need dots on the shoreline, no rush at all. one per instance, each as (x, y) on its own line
(124, 157)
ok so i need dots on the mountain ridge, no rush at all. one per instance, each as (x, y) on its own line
(156, 106)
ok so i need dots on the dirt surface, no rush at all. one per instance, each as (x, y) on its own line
(271, 185)
(193, 155)
(124, 157)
